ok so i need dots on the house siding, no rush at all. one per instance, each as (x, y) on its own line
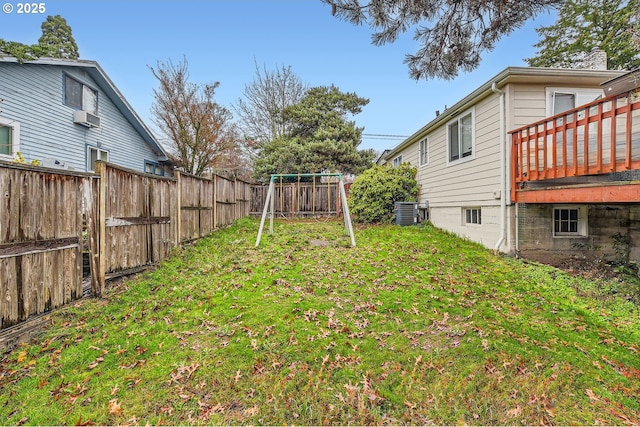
(469, 182)
(450, 187)
(33, 95)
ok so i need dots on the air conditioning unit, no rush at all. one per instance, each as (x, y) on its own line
(86, 118)
(406, 213)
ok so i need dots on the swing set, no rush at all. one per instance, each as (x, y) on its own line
(269, 203)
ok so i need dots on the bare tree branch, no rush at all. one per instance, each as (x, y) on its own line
(198, 128)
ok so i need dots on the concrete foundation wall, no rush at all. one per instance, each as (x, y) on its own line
(611, 232)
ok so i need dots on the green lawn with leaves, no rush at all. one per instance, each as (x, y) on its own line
(411, 326)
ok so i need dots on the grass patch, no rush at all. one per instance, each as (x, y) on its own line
(412, 326)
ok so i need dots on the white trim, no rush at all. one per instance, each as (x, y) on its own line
(15, 137)
(456, 119)
(424, 140)
(99, 150)
(581, 96)
(478, 216)
(582, 222)
(397, 161)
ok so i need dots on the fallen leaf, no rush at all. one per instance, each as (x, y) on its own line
(591, 395)
(114, 407)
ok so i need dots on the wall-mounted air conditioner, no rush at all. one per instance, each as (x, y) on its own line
(86, 118)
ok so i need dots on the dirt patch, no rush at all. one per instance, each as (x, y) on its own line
(320, 243)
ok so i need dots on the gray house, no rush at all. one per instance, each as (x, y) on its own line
(68, 114)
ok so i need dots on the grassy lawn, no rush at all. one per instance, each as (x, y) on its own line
(412, 326)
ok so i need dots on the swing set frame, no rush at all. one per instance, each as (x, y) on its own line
(269, 203)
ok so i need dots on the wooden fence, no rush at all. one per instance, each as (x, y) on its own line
(299, 199)
(41, 225)
(126, 220)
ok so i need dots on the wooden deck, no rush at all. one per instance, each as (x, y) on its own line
(584, 155)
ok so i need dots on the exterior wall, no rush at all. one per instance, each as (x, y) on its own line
(536, 240)
(469, 182)
(33, 95)
(475, 182)
(487, 234)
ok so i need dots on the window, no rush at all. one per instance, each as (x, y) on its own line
(460, 137)
(424, 152)
(569, 221)
(80, 96)
(153, 168)
(397, 161)
(93, 155)
(561, 99)
(9, 138)
(473, 216)
(563, 102)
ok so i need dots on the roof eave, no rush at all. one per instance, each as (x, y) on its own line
(97, 73)
(508, 75)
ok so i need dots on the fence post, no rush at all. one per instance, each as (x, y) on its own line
(215, 201)
(178, 226)
(101, 168)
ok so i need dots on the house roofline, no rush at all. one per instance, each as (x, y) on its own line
(508, 75)
(106, 84)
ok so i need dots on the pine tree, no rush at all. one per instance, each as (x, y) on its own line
(56, 40)
(583, 25)
(451, 35)
(319, 137)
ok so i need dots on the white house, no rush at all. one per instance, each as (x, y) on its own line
(472, 170)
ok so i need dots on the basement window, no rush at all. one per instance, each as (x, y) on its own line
(473, 216)
(569, 221)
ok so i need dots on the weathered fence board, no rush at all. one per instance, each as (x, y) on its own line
(131, 220)
(196, 207)
(138, 225)
(225, 201)
(243, 199)
(41, 224)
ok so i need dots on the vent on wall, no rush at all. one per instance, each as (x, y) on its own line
(87, 119)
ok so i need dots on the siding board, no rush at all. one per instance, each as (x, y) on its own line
(33, 96)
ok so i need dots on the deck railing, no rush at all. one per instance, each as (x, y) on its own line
(601, 137)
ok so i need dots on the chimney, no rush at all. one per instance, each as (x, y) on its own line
(595, 60)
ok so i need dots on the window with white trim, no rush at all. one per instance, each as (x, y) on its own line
(561, 99)
(397, 161)
(424, 152)
(569, 221)
(80, 96)
(460, 137)
(93, 155)
(473, 216)
(9, 138)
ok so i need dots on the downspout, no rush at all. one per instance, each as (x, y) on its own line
(503, 169)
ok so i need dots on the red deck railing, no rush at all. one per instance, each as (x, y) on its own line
(597, 138)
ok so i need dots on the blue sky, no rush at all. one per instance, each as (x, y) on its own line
(222, 41)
